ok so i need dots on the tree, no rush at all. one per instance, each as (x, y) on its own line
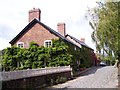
(105, 24)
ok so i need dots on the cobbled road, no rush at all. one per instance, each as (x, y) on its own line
(97, 77)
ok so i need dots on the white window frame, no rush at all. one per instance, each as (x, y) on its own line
(48, 42)
(19, 43)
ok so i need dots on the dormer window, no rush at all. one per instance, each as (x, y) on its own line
(20, 44)
(47, 43)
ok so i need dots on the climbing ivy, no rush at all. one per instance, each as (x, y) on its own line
(60, 54)
(16, 58)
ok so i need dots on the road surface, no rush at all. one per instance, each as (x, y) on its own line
(98, 77)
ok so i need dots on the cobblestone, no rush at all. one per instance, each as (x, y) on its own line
(98, 77)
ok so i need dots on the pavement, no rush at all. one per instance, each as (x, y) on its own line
(97, 77)
(118, 78)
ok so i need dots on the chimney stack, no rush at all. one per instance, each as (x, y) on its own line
(35, 13)
(61, 28)
(82, 40)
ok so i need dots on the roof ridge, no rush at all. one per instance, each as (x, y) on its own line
(77, 40)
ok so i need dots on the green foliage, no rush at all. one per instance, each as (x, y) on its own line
(81, 57)
(36, 57)
(60, 54)
(106, 25)
(86, 56)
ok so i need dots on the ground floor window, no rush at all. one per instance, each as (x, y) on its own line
(47, 43)
(20, 44)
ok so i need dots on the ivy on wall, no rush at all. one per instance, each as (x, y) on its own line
(61, 53)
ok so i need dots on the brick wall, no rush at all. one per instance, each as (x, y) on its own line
(36, 33)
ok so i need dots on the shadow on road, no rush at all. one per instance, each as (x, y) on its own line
(91, 71)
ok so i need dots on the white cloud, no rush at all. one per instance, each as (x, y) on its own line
(14, 13)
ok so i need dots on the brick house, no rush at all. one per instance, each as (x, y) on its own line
(38, 32)
(42, 34)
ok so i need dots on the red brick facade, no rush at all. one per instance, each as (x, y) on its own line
(38, 34)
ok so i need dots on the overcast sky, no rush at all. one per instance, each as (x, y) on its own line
(14, 17)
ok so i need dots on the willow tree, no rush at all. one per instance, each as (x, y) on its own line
(105, 24)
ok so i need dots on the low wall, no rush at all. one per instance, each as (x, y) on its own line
(34, 77)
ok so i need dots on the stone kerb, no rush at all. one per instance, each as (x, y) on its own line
(12, 75)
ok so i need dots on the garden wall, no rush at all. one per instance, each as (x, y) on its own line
(35, 78)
